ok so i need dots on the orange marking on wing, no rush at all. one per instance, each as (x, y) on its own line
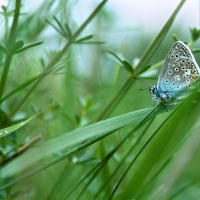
(194, 77)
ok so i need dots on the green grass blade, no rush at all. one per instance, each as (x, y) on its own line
(155, 44)
(90, 134)
(124, 158)
(161, 147)
(10, 129)
(28, 46)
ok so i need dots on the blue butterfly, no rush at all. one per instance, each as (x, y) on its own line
(178, 77)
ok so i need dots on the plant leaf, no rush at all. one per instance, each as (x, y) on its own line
(69, 32)
(28, 46)
(82, 137)
(195, 50)
(88, 37)
(19, 44)
(175, 38)
(91, 42)
(57, 29)
(128, 66)
(195, 33)
(10, 129)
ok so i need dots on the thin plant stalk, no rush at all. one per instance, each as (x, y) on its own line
(10, 43)
(58, 57)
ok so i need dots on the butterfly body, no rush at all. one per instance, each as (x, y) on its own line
(179, 75)
(160, 96)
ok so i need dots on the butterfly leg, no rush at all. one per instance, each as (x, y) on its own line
(168, 107)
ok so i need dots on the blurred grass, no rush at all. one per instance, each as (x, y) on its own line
(101, 139)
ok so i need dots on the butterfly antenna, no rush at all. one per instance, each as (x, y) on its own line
(142, 81)
(143, 89)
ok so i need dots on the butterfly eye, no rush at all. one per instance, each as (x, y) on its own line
(170, 72)
(172, 56)
(176, 55)
(153, 90)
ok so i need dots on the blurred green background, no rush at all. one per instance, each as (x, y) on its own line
(94, 135)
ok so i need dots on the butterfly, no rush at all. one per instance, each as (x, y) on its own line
(178, 77)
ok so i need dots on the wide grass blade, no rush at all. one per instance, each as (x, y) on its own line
(74, 141)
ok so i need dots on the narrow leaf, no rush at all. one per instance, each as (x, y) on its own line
(19, 44)
(28, 46)
(116, 56)
(84, 38)
(144, 69)
(4, 8)
(195, 50)
(59, 24)
(10, 129)
(175, 38)
(68, 30)
(92, 42)
(58, 30)
(128, 66)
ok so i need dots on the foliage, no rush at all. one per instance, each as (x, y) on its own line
(73, 124)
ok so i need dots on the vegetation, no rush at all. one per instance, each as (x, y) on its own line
(73, 123)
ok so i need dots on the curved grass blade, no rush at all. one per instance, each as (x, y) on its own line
(159, 145)
(159, 38)
(10, 129)
(124, 158)
(74, 141)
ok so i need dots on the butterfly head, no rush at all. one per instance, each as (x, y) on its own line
(160, 96)
(153, 90)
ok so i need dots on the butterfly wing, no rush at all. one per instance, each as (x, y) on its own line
(179, 73)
